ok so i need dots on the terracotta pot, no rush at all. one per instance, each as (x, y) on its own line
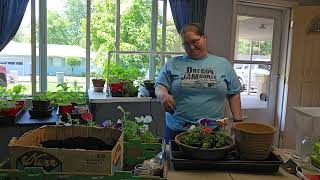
(203, 153)
(98, 82)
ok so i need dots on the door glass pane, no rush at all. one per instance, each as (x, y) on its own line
(254, 38)
(256, 93)
(66, 53)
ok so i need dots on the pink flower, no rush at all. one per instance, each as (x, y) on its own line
(207, 130)
(87, 116)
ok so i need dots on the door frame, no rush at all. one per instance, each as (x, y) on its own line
(280, 68)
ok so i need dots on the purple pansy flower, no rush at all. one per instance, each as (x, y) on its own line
(206, 122)
(118, 125)
(107, 123)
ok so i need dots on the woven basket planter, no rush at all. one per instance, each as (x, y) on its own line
(253, 140)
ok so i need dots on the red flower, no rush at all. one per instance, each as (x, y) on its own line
(87, 116)
(207, 130)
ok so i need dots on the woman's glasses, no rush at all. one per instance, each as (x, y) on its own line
(193, 43)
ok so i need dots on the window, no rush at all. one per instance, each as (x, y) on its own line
(66, 42)
(19, 48)
(140, 34)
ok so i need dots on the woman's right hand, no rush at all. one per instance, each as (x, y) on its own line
(166, 99)
(168, 103)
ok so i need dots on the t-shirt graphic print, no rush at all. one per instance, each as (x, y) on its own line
(199, 78)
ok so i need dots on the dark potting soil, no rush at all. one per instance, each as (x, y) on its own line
(88, 143)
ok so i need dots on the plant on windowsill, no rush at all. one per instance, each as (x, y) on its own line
(12, 100)
(41, 101)
(121, 80)
(69, 98)
(98, 82)
(41, 105)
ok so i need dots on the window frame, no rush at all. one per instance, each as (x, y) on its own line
(43, 59)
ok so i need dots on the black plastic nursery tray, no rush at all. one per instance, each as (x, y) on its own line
(180, 162)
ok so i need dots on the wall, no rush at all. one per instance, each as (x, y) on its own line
(219, 27)
(303, 83)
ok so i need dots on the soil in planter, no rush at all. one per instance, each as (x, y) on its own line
(88, 143)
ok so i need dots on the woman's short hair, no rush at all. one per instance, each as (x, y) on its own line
(193, 27)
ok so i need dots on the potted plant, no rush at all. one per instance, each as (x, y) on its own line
(121, 80)
(98, 82)
(149, 85)
(140, 144)
(41, 102)
(62, 99)
(12, 100)
(41, 106)
(202, 142)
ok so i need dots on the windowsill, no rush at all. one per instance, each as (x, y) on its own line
(103, 97)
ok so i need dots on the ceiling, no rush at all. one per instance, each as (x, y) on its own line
(255, 29)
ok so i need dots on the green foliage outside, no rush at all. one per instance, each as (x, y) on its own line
(73, 62)
(68, 27)
(259, 47)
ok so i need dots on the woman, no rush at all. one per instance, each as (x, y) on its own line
(195, 85)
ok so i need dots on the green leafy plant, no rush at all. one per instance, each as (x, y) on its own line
(9, 97)
(204, 137)
(118, 73)
(42, 96)
(138, 129)
(66, 95)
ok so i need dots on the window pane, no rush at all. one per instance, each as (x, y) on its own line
(135, 25)
(256, 92)
(254, 38)
(15, 58)
(173, 42)
(103, 25)
(66, 54)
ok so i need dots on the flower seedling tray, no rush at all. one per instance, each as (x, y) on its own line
(12, 118)
(180, 162)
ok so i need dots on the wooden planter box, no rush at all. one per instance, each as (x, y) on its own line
(26, 151)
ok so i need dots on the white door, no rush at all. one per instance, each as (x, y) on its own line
(257, 52)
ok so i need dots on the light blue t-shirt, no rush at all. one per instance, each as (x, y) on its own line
(199, 88)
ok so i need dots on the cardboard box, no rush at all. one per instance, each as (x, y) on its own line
(26, 151)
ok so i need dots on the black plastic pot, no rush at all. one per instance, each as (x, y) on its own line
(149, 85)
(203, 153)
(40, 114)
(40, 105)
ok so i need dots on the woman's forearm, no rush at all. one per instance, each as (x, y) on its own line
(161, 90)
(235, 106)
